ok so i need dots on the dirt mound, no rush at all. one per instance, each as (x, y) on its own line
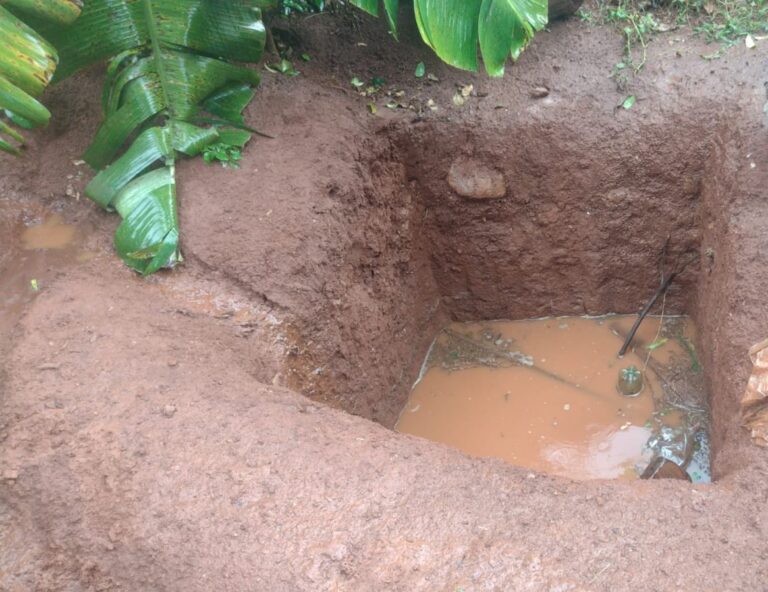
(154, 432)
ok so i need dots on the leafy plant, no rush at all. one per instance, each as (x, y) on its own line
(27, 64)
(284, 66)
(288, 7)
(171, 89)
(724, 21)
(228, 155)
(454, 28)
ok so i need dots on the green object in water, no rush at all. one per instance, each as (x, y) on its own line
(630, 381)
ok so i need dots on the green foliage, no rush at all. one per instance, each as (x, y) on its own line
(454, 28)
(636, 26)
(284, 66)
(27, 64)
(171, 89)
(629, 102)
(229, 156)
(390, 8)
(174, 84)
(724, 21)
(288, 7)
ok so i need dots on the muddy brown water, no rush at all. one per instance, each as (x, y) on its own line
(543, 394)
(45, 243)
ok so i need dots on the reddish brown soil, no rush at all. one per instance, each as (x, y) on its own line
(154, 432)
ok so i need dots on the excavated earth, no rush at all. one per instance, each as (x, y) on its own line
(227, 425)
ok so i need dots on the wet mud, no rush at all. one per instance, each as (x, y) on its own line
(41, 244)
(543, 394)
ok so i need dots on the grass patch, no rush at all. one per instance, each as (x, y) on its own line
(723, 21)
(726, 22)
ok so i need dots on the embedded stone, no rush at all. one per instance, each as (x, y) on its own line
(472, 178)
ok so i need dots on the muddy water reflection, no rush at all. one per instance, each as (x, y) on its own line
(52, 233)
(543, 393)
(34, 250)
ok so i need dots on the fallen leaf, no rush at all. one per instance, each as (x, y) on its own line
(713, 56)
(372, 108)
(629, 102)
(657, 344)
(664, 28)
(283, 67)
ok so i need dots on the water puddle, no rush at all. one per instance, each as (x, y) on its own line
(35, 248)
(52, 233)
(544, 394)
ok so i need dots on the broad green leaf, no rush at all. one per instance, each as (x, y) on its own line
(231, 30)
(629, 102)
(151, 146)
(449, 27)
(7, 129)
(61, 12)
(21, 104)
(143, 99)
(372, 7)
(170, 61)
(506, 27)
(148, 237)
(453, 28)
(26, 59)
(233, 137)
(27, 63)
(391, 7)
(369, 6)
(229, 102)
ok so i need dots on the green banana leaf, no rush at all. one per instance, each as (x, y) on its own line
(27, 64)
(170, 74)
(372, 7)
(454, 28)
(506, 27)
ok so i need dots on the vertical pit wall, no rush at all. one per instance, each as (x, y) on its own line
(580, 230)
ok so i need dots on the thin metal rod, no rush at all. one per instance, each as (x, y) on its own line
(663, 288)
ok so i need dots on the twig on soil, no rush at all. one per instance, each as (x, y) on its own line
(514, 357)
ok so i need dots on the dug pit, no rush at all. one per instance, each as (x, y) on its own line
(568, 235)
(444, 222)
(135, 422)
